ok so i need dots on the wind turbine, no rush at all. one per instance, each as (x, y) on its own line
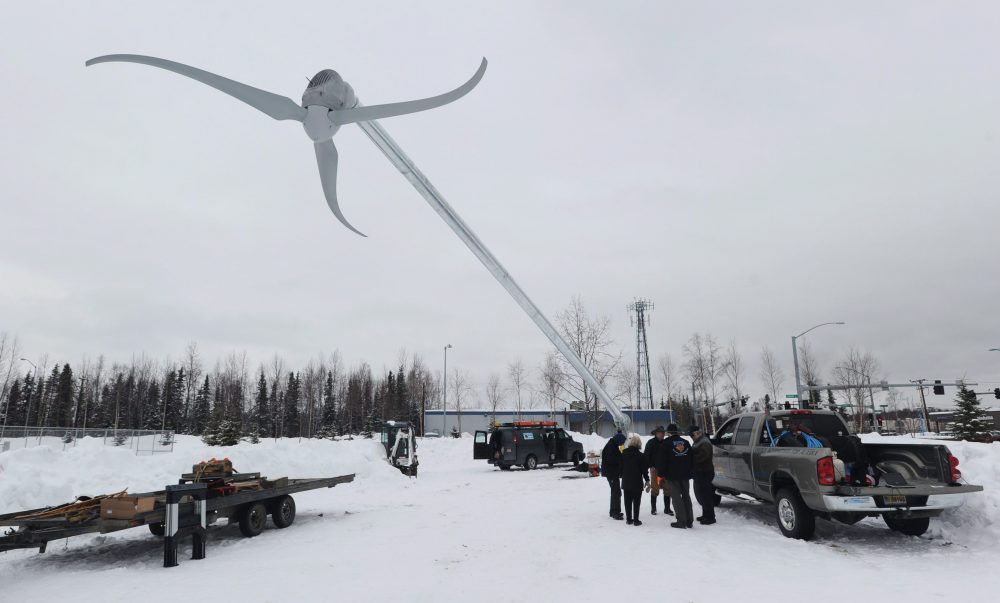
(327, 104)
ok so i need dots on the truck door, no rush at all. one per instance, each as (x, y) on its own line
(740, 455)
(481, 446)
(723, 442)
(562, 446)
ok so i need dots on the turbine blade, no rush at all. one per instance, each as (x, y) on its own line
(350, 116)
(326, 158)
(274, 105)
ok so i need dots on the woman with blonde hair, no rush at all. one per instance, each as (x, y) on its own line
(635, 476)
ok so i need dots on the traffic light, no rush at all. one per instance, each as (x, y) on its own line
(996, 393)
(938, 388)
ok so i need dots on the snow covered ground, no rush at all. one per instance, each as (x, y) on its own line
(463, 531)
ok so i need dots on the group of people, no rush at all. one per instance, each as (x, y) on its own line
(668, 463)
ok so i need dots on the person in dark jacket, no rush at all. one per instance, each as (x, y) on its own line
(652, 454)
(703, 472)
(611, 468)
(675, 467)
(634, 478)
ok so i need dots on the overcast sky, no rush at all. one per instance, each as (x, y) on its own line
(753, 168)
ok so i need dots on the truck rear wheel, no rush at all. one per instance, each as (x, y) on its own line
(157, 529)
(530, 463)
(912, 526)
(252, 519)
(504, 467)
(283, 511)
(795, 520)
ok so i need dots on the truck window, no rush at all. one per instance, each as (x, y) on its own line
(725, 434)
(480, 437)
(744, 431)
(827, 426)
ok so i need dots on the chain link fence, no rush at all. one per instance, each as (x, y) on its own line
(141, 441)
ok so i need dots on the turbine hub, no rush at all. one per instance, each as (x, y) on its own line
(329, 90)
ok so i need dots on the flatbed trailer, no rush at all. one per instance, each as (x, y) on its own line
(177, 511)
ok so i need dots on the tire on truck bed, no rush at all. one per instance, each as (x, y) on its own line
(911, 526)
(795, 519)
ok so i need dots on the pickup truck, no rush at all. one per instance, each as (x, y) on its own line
(758, 455)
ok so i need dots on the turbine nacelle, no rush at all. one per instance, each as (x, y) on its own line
(328, 89)
(328, 103)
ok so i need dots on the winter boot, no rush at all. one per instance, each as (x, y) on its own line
(653, 499)
(637, 523)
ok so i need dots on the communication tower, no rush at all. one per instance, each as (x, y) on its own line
(638, 312)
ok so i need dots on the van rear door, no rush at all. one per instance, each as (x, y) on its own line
(481, 446)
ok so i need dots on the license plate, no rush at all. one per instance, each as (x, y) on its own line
(894, 500)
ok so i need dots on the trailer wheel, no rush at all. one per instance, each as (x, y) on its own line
(795, 520)
(283, 511)
(530, 463)
(157, 529)
(914, 526)
(252, 519)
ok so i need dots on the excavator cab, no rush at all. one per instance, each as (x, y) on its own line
(400, 446)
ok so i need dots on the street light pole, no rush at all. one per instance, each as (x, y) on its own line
(444, 402)
(795, 357)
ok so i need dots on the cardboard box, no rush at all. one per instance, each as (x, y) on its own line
(126, 507)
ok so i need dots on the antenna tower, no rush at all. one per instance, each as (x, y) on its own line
(638, 312)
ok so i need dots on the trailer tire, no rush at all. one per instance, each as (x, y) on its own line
(795, 519)
(530, 463)
(283, 511)
(157, 529)
(913, 526)
(253, 517)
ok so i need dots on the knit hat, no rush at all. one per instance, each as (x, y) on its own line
(618, 438)
(659, 429)
(672, 428)
(693, 429)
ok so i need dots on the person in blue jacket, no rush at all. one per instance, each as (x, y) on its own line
(675, 466)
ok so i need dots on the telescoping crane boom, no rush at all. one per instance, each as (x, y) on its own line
(405, 165)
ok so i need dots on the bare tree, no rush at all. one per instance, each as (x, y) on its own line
(668, 377)
(627, 386)
(460, 390)
(771, 374)
(809, 371)
(590, 338)
(858, 369)
(10, 352)
(703, 364)
(517, 375)
(494, 394)
(733, 370)
(192, 365)
(551, 377)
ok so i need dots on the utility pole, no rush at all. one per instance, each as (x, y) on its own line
(923, 402)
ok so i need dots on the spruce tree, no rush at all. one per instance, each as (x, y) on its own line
(329, 404)
(202, 413)
(970, 420)
(261, 421)
(293, 395)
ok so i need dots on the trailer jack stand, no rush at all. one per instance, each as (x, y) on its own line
(173, 530)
